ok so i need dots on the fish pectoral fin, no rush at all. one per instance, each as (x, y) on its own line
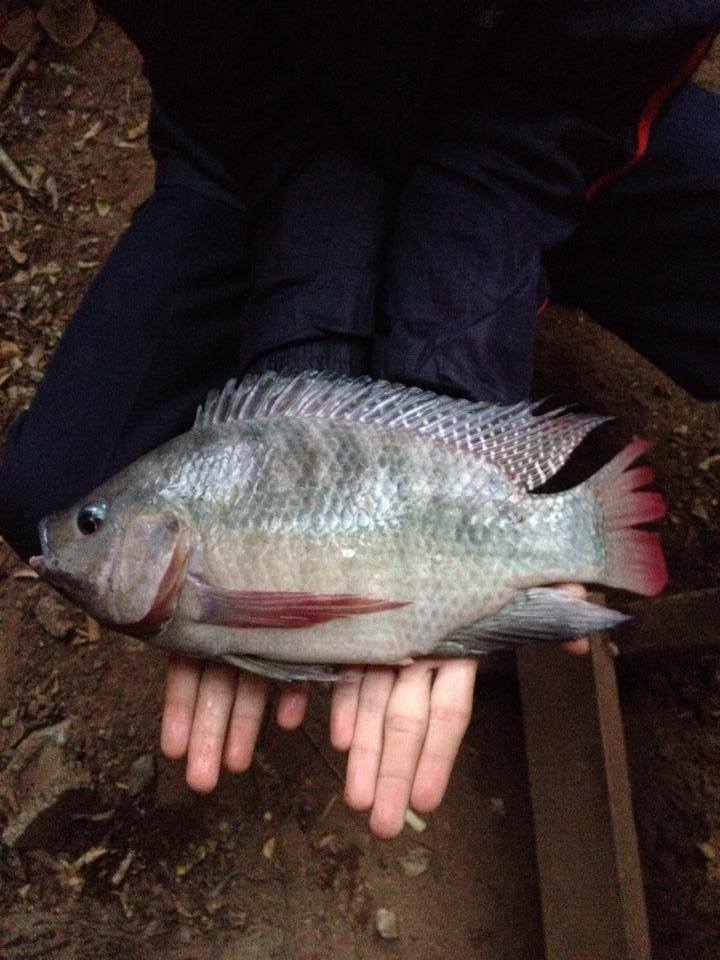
(279, 670)
(534, 615)
(264, 609)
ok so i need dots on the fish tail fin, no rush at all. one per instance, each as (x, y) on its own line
(633, 558)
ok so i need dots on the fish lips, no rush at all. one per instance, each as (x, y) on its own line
(48, 567)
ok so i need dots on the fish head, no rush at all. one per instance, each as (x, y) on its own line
(121, 560)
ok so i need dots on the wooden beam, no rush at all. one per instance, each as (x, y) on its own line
(676, 621)
(689, 619)
(590, 878)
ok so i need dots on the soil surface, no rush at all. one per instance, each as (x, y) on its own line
(272, 865)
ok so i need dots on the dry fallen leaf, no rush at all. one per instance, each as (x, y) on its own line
(8, 348)
(124, 144)
(14, 365)
(126, 903)
(52, 191)
(34, 173)
(268, 849)
(89, 134)
(62, 69)
(119, 875)
(137, 131)
(103, 207)
(93, 130)
(16, 252)
(90, 856)
(415, 862)
(36, 355)
(182, 869)
(413, 820)
(386, 924)
(51, 270)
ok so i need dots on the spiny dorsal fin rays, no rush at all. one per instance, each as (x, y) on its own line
(529, 449)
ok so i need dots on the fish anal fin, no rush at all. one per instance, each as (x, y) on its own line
(538, 614)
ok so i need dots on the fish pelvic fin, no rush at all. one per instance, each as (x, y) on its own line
(287, 672)
(539, 614)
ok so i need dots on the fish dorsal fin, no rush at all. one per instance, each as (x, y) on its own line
(529, 449)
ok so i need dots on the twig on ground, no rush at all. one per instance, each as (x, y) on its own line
(18, 65)
(316, 747)
(8, 165)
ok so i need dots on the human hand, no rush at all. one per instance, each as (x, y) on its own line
(402, 726)
(402, 729)
(212, 716)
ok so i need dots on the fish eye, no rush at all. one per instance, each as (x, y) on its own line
(91, 517)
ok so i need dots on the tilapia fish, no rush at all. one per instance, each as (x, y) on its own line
(314, 520)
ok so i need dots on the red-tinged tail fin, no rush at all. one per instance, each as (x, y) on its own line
(634, 558)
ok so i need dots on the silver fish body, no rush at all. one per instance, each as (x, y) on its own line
(321, 520)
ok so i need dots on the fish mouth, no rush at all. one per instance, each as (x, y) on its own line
(44, 563)
(47, 566)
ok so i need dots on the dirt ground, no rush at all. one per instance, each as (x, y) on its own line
(272, 865)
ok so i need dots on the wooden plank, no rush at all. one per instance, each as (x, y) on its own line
(675, 621)
(689, 619)
(590, 878)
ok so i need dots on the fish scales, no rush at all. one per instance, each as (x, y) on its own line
(336, 522)
(317, 519)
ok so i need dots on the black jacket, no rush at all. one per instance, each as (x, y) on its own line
(492, 122)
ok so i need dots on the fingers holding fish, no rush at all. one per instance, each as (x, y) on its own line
(213, 708)
(344, 708)
(451, 703)
(581, 646)
(367, 740)
(181, 687)
(292, 704)
(244, 721)
(404, 732)
(213, 713)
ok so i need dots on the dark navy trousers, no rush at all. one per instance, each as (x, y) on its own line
(433, 277)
